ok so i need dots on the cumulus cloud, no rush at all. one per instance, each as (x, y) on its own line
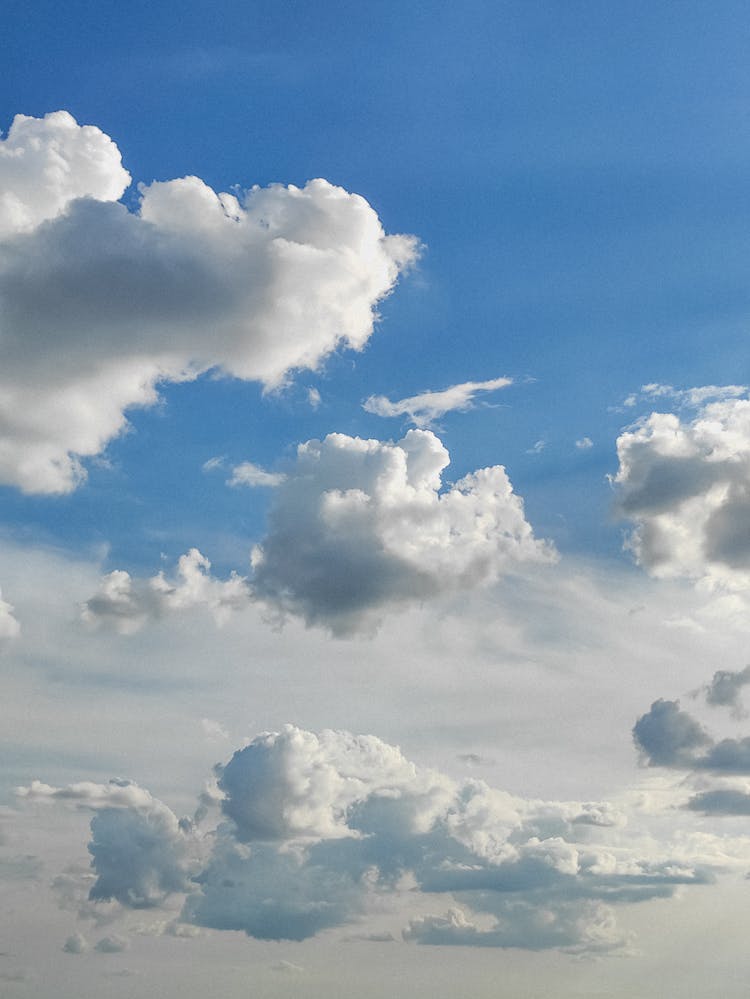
(685, 483)
(9, 626)
(318, 829)
(667, 736)
(125, 604)
(359, 525)
(584, 444)
(137, 846)
(422, 410)
(100, 304)
(45, 163)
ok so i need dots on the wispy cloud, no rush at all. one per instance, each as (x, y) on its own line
(423, 409)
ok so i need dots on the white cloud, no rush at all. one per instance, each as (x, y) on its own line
(9, 626)
(360, 525)
(45, 163)
(584, 444)
(126, 604)
(686, 485)
(423, 409)
(319, 829)
(248, 474)
(100, 305)
(137, 846)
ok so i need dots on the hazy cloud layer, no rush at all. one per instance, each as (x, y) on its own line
(685, 482)
(100, 304)
(360, 525)
(423, 409)
(318, 829)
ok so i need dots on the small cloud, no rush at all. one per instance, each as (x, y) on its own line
(213, 463)
(313, 397)
(114, 944)
(248, 474)
(537, 448)
(423, 409)
(584, 444)
(76, 944)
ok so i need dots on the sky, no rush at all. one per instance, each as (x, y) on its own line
(374, 499)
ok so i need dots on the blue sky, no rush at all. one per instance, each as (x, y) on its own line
(527, 603)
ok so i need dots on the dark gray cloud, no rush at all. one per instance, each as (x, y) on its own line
(722, 801)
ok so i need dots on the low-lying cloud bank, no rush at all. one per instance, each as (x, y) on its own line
(100, 304)
(320, 831)
(357, 527)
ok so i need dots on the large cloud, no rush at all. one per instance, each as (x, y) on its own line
(98, 305)
(685, 482)
(362, 524)
(319, 829)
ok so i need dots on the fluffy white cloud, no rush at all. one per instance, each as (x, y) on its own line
(423, 409)
(125, 604)
(45, 163)
(100, 304)
(9, 626)
(358, 525)
(685, 482)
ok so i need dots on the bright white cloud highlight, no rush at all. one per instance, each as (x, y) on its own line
(686, 485)
(423, 409)
(100, 305)
(361, 525)
(45, 163)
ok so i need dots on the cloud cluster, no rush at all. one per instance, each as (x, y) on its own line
(668, 736)
(318, 829)
(685, 482)
(100, 304)
(360, 525)
(126, 604)
(422, 410)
